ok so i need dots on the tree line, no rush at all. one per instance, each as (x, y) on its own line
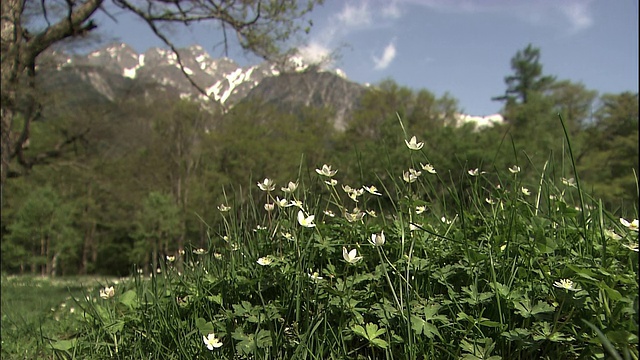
(149, 174)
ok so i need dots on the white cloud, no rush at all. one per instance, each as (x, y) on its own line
(315, 53)
(391, 10)
(577, 13)
(355, 16)
(387, 57)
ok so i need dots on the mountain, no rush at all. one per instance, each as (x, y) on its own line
(289, 91)
(117, 70)
(110, 70)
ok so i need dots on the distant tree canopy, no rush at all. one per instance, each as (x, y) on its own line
(527, 77)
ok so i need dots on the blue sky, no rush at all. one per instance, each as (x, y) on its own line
(462, 47)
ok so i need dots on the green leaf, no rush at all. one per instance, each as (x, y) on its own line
(585, 273)
(114, 327)
(523, 308)
(359, 330)
(517, 334)
(373, 331)
(612, 293)
(205, 327)
(215, 298)
(129, 299)
(63, 345)
(542, 307)
(380, 343)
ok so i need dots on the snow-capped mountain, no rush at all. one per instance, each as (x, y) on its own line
(222, 80)
(117, 68)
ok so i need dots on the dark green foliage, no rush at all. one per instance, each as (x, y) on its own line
(527, 77)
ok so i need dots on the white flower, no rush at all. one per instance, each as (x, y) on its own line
(264, 261)
(420, 209)
(350, 256)
(565, 284)
(329, 213)
(211, 341)
(267, 185)
(259, 228)
(569, 182)
(171, 258)
(474, 172)
(428, 168)
(217, 256)
(525, 191)
(315, 276)
(288, 236)
(305, 221)
(411, 175)
(199, 251)
(356, 215)
(444, 220)
(353, 193)
(296, 203)
(371, 213)
(291, 187)
(332, 182)
(326, 171)
(490, 201)
(224, 207)
(630, 225)
(633, 246)
(611, 234)
(107, 293)
(269, 207)
(514, 169)
(413, 144)
(377, 239)
(372, 190)
(281, 202)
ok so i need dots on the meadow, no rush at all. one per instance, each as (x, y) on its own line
(498, 268)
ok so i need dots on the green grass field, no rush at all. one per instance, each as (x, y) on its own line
(35, 309)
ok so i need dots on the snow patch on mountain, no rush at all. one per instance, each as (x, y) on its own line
(480, 121)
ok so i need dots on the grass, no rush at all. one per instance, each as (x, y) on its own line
(36, 308)
(499, 267)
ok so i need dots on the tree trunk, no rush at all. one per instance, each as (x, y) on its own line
(54, 264)
(154, 256)
(11, 47)
(89, 242)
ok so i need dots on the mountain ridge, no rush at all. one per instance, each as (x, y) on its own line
(288, 85)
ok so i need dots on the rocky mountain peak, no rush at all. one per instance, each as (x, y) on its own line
(289, 84)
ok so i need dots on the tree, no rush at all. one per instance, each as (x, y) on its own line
(260, 25)
(612, 142)
(527, 77)
(43, 230)
(575, 102)
(158, 224)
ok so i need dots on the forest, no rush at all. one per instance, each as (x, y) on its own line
(148, 175)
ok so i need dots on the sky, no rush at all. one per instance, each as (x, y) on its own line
(460, 47)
